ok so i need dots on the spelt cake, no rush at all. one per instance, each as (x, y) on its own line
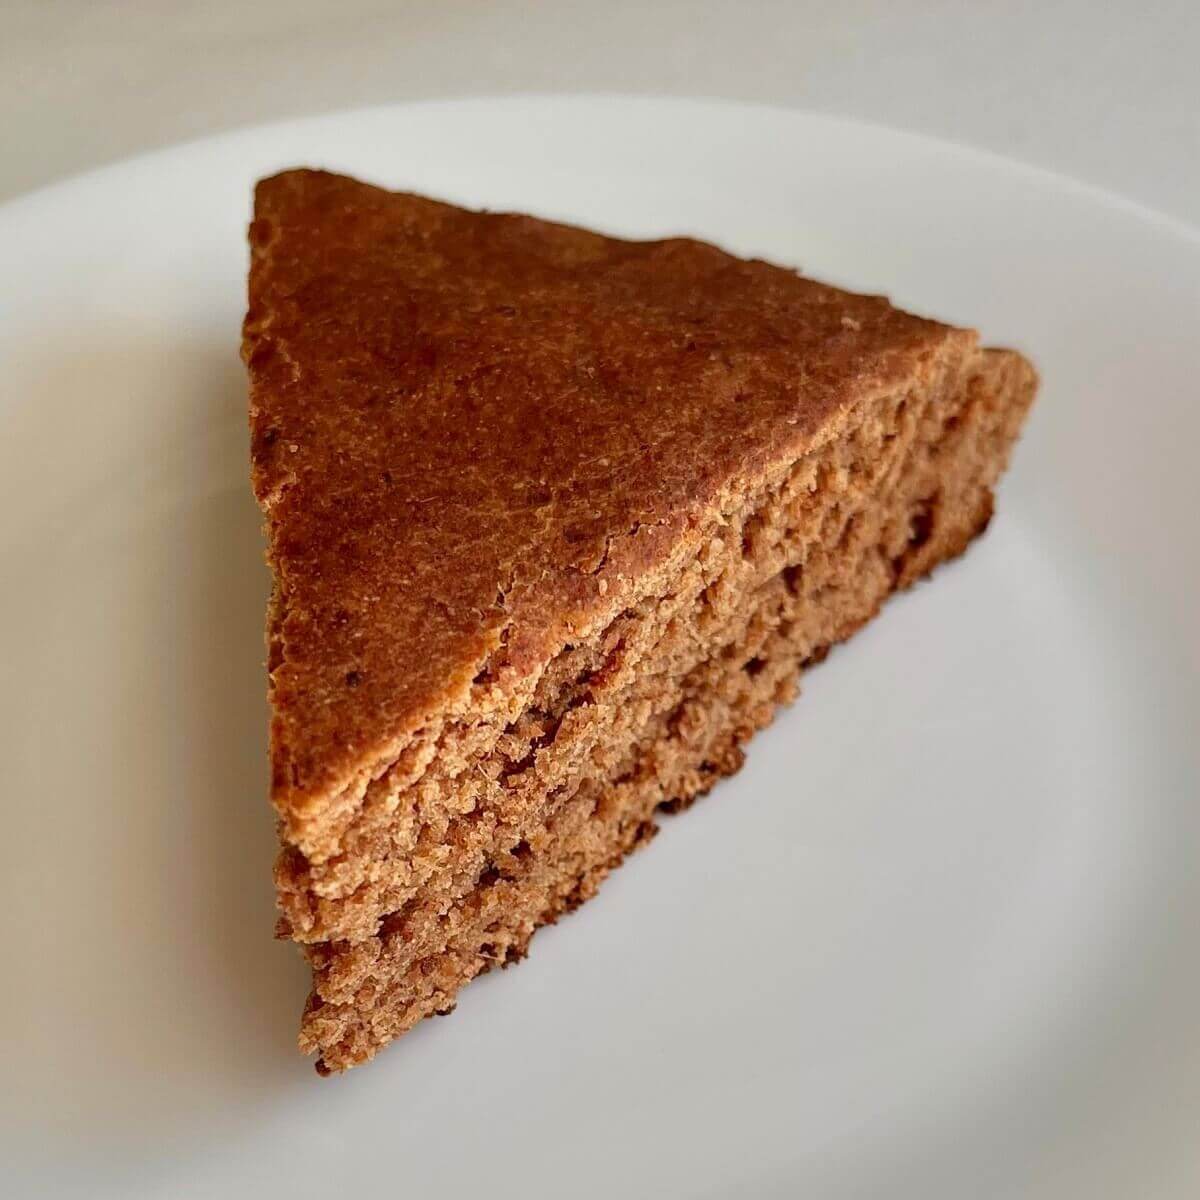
(556, 521)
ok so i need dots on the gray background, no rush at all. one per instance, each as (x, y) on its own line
(1106, 92)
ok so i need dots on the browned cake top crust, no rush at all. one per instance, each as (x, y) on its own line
(465, 425)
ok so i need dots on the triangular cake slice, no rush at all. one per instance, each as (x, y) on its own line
(556, 521)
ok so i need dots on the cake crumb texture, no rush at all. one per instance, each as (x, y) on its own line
(556, 522)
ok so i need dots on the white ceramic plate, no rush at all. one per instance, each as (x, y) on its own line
(938, 939)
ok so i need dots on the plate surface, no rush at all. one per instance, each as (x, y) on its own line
(939, 938)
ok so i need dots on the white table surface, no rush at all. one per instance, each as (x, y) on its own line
(1108, 92)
